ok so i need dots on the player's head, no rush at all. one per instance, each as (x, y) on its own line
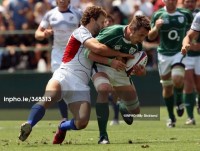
(189, 4)
(94, 16)
(63, 4)
(138, 28)
(109, 21)
(170, 5)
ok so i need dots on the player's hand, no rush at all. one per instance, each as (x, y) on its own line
(159, 23)
(138, 70)
(48, 33)
(185, 49)
(118, 65)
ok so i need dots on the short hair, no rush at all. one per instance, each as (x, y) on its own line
(92, 12)
(140, 21)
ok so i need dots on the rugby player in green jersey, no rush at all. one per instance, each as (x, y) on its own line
(192, 71)
(126, 39)
(170, 25)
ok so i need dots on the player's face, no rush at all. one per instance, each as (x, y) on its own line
(170, 5)
(62, 3)
(190, 4)
(99, 24)
(138, 36)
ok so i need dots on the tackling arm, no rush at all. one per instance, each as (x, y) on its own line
(116, 64)
(96, 47)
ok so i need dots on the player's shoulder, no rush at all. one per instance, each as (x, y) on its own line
(81, 30)
(198, 15)
(184, 11)
(114, 28)
(159, 12)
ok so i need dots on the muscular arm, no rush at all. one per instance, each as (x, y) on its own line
(96, 47)
(153, 33)
(186, 44)
(116, 64)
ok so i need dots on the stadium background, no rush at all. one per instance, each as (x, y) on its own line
(25, 62)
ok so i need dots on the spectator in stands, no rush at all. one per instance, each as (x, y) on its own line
(18, 10)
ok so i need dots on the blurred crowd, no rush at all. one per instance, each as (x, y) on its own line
(19, 19)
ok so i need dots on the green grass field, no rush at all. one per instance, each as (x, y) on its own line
(141, 136)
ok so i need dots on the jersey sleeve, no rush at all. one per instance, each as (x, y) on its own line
(82, 34)
(45, 20)
(155, 17)
(109, 34)
(196, 23)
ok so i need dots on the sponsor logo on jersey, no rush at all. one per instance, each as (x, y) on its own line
(118, 47)
(181, 19)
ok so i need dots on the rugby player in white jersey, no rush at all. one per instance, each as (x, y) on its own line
(191, 48)
(70, 81)
(60, 22)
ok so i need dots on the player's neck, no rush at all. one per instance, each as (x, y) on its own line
(127, 33)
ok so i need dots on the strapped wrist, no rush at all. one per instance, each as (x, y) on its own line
(110, 61)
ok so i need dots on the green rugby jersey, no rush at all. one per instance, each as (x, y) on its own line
(195, 53)
(113, 37)
(173, 29)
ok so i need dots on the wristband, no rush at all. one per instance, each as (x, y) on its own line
(110, 61)
(86, 53)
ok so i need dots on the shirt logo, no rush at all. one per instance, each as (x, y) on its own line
(71, 18)
(181, 19)
(117, 47)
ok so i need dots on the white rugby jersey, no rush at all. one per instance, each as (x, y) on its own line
(196, 23)
(62, 23)
(73, 58)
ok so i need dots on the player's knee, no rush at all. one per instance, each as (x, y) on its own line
(104, 87)
(102, 84)
(166, 83)
(178, 73)
(81, 124)
(133, 106)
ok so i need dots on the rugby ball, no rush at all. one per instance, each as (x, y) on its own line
(140, 58)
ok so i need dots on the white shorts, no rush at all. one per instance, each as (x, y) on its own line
(166, 62)
(116, 78)
(73, 88)
(192, 63)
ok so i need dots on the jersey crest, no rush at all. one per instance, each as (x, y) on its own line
(181, 19)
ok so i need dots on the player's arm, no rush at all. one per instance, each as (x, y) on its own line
(96, 47)
(116, 64)
(153, 33)
(191, 36)
(42, 33)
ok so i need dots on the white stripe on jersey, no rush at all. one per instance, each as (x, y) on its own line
(74, 58)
